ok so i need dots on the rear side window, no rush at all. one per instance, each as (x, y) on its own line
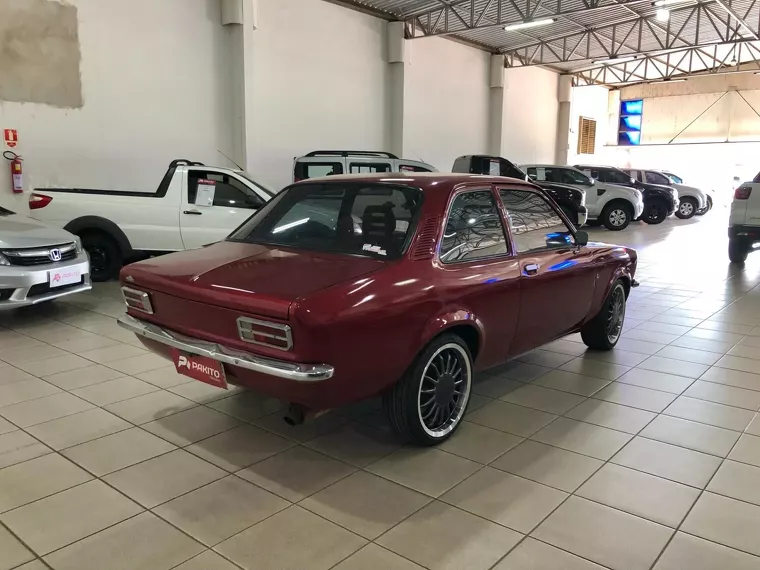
(412, 168)
(374, 220)
(306, 170)
(368, 168)
(473, 229)
(657, 178)
(614, 176)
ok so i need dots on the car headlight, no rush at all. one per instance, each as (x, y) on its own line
(4, 260)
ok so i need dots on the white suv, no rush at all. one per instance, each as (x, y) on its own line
(691, 199)
(744, 223)
(612, 205)
(330, 162)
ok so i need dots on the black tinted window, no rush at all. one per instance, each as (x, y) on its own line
(614, 176)
(228, 191)
(657, 178)
(373, 220)
(473, 229)
(305, 170)
(534, 222)
(368, 168)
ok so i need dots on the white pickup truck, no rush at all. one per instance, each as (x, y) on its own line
(193, 206)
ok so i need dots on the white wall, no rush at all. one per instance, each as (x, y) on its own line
(530, 115)
(447, 94)
(152, 81)
(590, 102)
(319, 83)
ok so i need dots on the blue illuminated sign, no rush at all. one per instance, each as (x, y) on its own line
(629, 129)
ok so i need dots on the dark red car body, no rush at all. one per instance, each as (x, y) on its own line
(369, 318)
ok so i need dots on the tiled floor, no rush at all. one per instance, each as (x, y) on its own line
(644, 457)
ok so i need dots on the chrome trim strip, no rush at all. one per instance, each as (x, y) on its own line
(147, 307)
(288, 370)
(38, 252)
(243, 331)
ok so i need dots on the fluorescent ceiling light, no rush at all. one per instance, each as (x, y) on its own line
(662, 15)
(616, 59)
(530, 24)
(659, 3)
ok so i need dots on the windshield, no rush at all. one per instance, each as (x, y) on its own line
(673, 178)
(374, 220)
(264, 187)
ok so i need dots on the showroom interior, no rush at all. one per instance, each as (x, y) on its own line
(645, 456)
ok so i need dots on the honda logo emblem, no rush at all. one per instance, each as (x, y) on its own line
(55, 254)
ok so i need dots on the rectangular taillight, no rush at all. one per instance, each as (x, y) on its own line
(742, 193)
(137, 300)
(273, 335)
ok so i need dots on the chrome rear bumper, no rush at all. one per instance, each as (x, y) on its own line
(288, 370)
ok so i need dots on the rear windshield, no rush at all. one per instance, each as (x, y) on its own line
(374, 220)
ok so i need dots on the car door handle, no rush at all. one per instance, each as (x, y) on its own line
(193, 212)
(530, 269)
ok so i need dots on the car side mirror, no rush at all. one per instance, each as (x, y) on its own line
(581, 238)
(592, 182)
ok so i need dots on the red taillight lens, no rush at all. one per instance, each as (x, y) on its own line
(138, 300)
(265, 333)
(742, 193)
(37, 201)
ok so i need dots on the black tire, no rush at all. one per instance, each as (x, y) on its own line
(572, 216)
(738, 250)
(656, 212)
(687, 208)
(105, 256)
(604, 330)
(616, 216)
(404, 404)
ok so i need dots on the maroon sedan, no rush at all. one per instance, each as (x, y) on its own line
(347, 287)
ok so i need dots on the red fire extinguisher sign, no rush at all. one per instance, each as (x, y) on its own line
(11, 138)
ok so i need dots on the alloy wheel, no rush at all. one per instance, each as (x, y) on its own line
(616, 315)
(618, 217)
(686, 208)
(444, 390)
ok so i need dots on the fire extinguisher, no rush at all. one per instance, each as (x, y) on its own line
(17, 173)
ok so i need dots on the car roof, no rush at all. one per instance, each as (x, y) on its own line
(426, 181)
(549, 166)
(598, 166)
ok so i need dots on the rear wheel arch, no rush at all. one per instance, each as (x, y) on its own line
(97, 224)
(461, 323)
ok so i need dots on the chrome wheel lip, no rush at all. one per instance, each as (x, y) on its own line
(616, 315)
(456, 415)
(618, 217)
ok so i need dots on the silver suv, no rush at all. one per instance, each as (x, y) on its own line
(38, 263)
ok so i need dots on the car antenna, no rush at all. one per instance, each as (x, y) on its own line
(232, 161)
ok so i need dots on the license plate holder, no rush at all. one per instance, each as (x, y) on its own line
(201, 368)
(63, 277)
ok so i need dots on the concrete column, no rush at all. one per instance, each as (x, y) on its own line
(564, 96)
(496, 106)
(240, 19)
(398, 56)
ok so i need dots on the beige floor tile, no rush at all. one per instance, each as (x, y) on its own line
(604, 535)
(37, 478)
(725, 521)
(545, 358)
(479, 443)
(191, 425)
(495, 386)
(296, 473)
(55, 365)
(307, 430)
(11, 375)
(692, 435)
(595, 368)
(732, 378)
(85, 343)
(78, 428)
(580, 437)
(739, 363)
(532, 554)
(356, 443)
(549, 465)
(365, 504)
(24, 390)
(209, 560)
(672, 366)
(37, 353)
(544, 399)
(565, 347)
(270, 544)
(206, 394)
(722, 394)
(747, 450)
(635, 397)
(426, 470)
(17, 446)
(617, 356)
(613, 416)
(217, 511)
(667, 328)
(656, 380)
(573, 383)
(517, 420)
(6, 426)
(639, 346)
(703, 344)
(728, 417)
(692, 553)
(113, 452)
(240, 447)
(246, 406)
(668, 461)
(745, 351)
(441, 537)
(520, 371)
(713, 334)
(724, 326)
(34, 565)
(166, 377)
(12, 552)
(690, 355)
(40, 410)
(81, 377)
(113, 391)
(112, 353)
(149, 407)
(164, 477)
(641, 494)
(137, 364)
(144, 541)
(372, 557)
(87, 509)
(506, 499)
(738, 481)
(754, 426)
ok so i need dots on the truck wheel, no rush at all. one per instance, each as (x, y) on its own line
(105, 256)
(656, 212)
(687, 208)
(603, 331)
(427, 405)
(616, 216)
(737, 250)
